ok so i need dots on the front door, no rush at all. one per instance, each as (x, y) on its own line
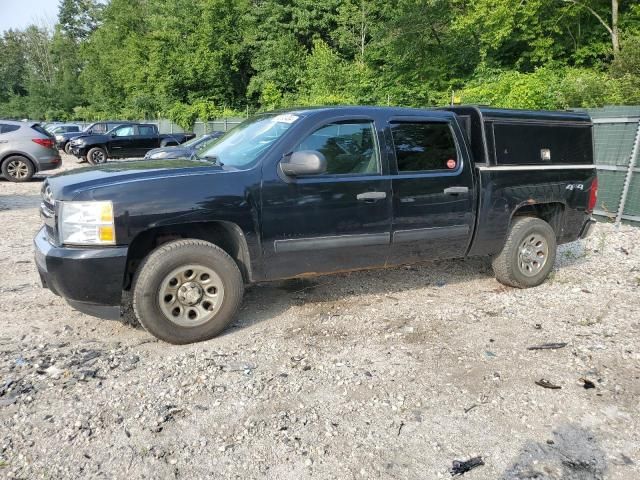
(339, 220)
(433, 193)
(121, 141)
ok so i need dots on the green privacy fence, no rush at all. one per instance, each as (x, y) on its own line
(617, 144)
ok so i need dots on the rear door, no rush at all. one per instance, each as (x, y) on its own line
(146, 139)
(339, 220)
(5, 136)
(433, 189)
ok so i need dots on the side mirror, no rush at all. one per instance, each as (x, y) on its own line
(305, 162)
(113, 135)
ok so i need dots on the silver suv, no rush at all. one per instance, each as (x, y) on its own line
(26, 148)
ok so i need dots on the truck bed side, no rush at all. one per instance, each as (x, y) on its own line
(558, 196)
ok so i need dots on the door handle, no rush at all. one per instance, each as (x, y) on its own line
(4, 141)
(371, 196)
(456, 190)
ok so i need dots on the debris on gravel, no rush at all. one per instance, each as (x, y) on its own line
(461, 467)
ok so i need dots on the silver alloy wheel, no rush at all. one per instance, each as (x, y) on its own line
(18, 169)
(191, 295)
(532, 255)
(98, 156)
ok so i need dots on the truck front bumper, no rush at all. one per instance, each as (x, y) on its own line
(79, 152)
(89, 279)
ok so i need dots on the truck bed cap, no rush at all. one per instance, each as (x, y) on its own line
(489, 113)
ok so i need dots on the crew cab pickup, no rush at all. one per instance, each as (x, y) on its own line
(63, 139)
(128, 140)
(316, 191)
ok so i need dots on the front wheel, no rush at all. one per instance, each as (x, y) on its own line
(97, 156)
(528, 254)
(67, 148)
(187, 291)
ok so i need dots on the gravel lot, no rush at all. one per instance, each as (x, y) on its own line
(385, 374)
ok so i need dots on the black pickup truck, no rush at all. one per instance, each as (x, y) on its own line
(126, 140)
(98, 128)
(316, 191)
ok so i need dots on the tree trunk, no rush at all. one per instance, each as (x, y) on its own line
(612, 29)
(615, 38)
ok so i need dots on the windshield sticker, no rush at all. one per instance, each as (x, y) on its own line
(286, 118)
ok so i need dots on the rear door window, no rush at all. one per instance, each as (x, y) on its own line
(424, 146)
(6, 128)
(99, 128)
(146, 130)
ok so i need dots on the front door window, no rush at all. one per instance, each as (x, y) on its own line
(350, 148)
(124, 132)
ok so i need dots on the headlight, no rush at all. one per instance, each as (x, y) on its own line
(59, 138)
(86, 223)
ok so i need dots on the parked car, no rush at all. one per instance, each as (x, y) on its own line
(62, 128)
(25, 148)
(97, 128)
(129, 140)
(186, 150)
(311, 192)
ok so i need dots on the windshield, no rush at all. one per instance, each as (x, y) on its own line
(205, 145)
(193, 142)
(242, 146)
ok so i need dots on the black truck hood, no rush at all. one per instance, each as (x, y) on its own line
(67, 185)
(92, 138)
(73, 135)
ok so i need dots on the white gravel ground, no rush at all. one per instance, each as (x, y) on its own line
(384, 374)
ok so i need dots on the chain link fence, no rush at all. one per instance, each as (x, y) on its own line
(616, 133)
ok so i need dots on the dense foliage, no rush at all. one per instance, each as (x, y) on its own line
(189, 59)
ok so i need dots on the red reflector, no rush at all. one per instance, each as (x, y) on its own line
(45, 142)
(593, 195)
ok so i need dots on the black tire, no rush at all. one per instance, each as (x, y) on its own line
(18, 169)
(530, 241)
(67, 148)
(156, 273)
(97, 156)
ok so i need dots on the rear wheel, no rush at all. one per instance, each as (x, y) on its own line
(528, 255)
(97, 156)
(18, 169)
(187, 291)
